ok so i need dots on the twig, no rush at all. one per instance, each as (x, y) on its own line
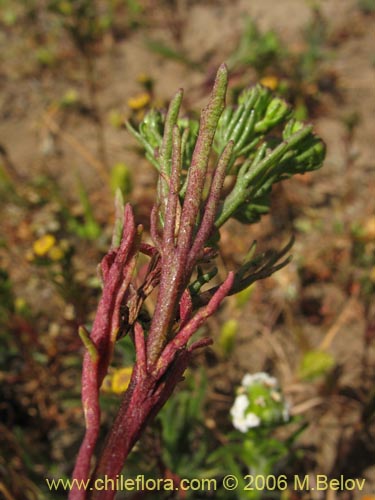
(343, 317)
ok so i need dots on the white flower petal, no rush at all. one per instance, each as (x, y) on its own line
(240, 404)
(238, 412)
(252, 420)
(248, 379)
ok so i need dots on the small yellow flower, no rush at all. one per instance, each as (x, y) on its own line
(270, 82)
(107, 383)
(56, 253)
(43, 245)
(139, 101)
(121, 379)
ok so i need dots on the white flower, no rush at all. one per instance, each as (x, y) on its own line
(240, 404)
(249, 380)
(240, 420)
(252, 420)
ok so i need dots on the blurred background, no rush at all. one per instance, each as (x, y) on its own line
(71, 73)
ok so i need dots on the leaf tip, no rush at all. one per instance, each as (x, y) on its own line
(89, 344)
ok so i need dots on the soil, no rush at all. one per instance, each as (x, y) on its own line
(317, 300)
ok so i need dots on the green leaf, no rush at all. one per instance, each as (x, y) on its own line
(269, 147)
(315, 364)
(121, 179)
(228, 334)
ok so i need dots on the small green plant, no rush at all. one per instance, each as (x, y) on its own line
(256, 49)
(366, 6)
(258, 159)
(85, 23)
(121, 179)
(87, 228)
(258, 410)
(259, 401)
(193, 159)
(184, 437)
(297, 74)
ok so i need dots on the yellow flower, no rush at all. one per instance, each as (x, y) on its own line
(139, 101)
(43, 245)
(107, 383)
(121, 379)
(270, 82)
(56, 253)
